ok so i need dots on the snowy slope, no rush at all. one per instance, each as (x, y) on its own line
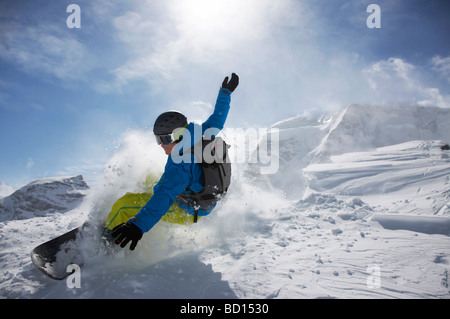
(369, 219)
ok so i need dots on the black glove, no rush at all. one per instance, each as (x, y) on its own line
(127, 232)
(232, 84)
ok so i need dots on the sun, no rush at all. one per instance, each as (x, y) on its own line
(206, 14)
(217, 25)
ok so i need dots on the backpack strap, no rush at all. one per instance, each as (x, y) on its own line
(216, 176)
(196, 216)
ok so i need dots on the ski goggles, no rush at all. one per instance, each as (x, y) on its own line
(168, 139)
(164, 139)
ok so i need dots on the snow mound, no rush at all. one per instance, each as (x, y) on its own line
(422, 224)
(43, 197)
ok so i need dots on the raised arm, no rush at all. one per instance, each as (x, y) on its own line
(217, 120)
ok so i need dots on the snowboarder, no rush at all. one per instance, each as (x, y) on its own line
(181, 180)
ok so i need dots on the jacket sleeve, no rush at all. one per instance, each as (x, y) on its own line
(175, 179)
(214, 124)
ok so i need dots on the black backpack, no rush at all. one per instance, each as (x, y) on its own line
(216, 168)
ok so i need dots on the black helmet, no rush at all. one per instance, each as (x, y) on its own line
(165, 125)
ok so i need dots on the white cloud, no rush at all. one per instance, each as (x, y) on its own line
(30, 163)
(44, 49)
(388, 70)
(442, 65)
(433, 97)
(395, 81)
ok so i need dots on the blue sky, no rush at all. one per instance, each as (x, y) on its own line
(67, 95)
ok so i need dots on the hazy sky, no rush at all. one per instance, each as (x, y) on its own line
(68, 94)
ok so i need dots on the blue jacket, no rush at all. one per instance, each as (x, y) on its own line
(178, 174)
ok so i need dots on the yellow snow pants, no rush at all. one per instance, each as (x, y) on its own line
(131, 203)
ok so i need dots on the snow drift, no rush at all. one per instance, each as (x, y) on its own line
(367, 188)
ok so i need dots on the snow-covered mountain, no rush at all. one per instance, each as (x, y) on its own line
(365, 127)
(304, 141)
(43, 197)
(359, 208)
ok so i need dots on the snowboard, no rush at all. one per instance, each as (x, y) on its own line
(54, 256)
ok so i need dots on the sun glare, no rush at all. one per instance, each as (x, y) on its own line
(211, 26)
(218, 18)
(206, 14)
